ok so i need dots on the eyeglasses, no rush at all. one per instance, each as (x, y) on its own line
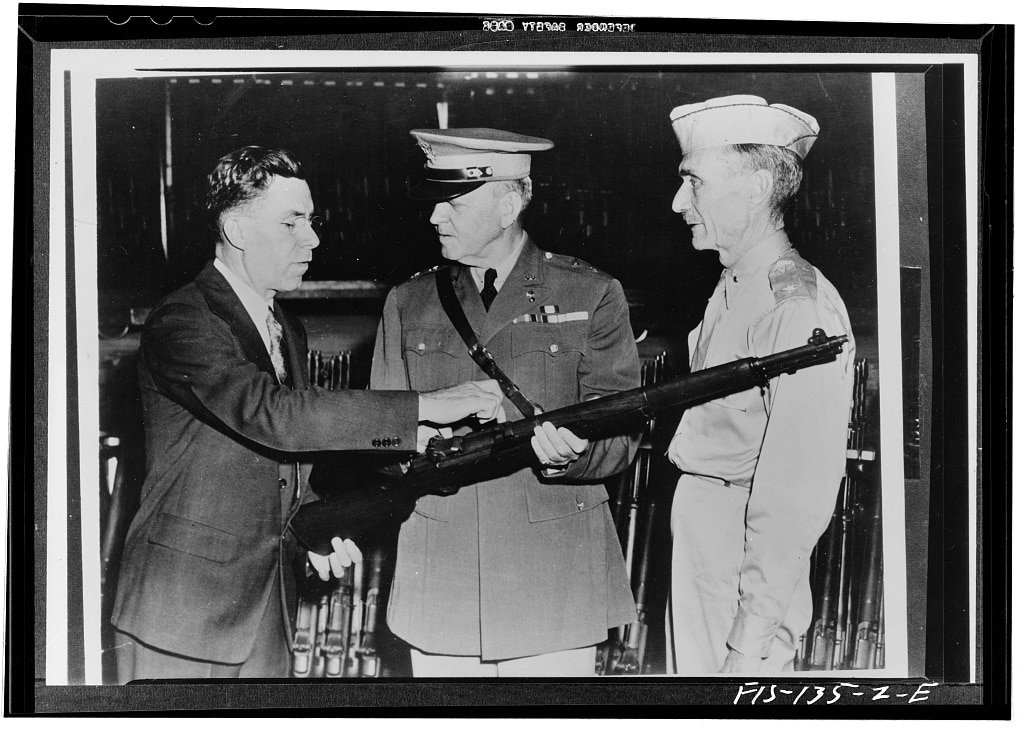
(316, 223)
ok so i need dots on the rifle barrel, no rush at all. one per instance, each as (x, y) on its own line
(626, 410)
(451, 463)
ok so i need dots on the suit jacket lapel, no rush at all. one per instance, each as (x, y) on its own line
(225, 303)
(522, 292)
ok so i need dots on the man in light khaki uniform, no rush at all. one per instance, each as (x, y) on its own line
(761, 468)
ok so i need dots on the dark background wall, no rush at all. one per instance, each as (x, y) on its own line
(603, 193)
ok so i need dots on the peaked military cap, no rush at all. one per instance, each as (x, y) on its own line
(743, 119)
(461, 160)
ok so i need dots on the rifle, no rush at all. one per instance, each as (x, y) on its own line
(338, 627)
(848, 629)
(368, 661)
(390, 491)
(828, 563)
(869, 616)
(625, 653)
(304, 644)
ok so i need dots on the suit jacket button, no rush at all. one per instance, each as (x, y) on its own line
(396, 440)
(553, 348)
(282, 482)
(375, 442)
(386, 441)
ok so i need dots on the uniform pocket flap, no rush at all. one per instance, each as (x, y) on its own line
(195, 539)
(554, 340)
(434, 507)
(431, 339)
(550, 502)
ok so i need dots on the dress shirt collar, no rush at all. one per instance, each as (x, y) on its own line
(504, 267)
(755, 260)
(253, 302)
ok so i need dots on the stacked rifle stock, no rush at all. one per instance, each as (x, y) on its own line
(331, 372)
(848, 629)
(336, 628)
(337, 621)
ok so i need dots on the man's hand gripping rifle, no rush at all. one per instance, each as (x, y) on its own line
(357, 498)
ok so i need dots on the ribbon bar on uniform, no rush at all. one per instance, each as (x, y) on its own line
(554, 318)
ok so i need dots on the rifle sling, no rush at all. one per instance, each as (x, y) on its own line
(480, 354)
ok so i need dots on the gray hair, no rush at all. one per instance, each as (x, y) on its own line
(522, 186)
(785, 166)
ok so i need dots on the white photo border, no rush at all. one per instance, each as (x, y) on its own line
(85, 67)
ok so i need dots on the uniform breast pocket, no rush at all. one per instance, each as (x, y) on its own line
(431, 356)
(546, 359)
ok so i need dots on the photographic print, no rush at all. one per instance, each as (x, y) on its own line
(748, 530)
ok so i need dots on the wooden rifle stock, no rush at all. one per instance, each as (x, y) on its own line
(389, 492)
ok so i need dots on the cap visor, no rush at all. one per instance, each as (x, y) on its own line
(430, 190)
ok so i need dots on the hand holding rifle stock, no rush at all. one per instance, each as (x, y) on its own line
(371, 495)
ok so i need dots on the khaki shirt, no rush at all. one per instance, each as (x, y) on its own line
(787, 442)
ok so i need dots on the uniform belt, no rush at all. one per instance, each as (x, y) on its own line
(480, 354)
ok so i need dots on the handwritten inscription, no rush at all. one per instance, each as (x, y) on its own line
(755, 693)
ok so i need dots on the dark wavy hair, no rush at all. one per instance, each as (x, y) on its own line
(244, 174)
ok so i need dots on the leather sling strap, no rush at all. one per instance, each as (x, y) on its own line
(482, 356)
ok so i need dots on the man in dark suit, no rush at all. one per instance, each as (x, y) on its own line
(228, 413)
(521, 575)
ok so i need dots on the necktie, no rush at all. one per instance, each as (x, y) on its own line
(488, 293)
(276, 355)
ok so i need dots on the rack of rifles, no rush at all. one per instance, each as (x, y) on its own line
(848, 629)
(336, 626)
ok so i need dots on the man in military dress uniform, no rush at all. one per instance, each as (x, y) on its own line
(761, 468)
(523, 574)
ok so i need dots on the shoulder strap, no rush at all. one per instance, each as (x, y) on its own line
(482, 356)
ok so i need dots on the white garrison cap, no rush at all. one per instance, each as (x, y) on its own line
(743, 119)
(461, 160)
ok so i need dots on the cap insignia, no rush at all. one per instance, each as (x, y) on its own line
(427, 150)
